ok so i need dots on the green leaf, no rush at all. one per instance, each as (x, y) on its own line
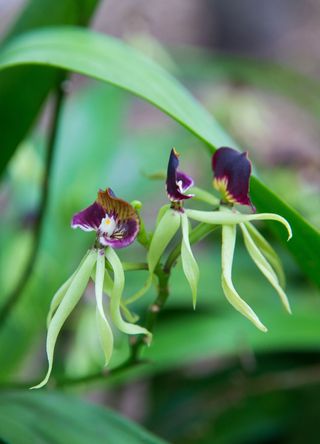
(29, 418)
(110, 60)
(17, 100)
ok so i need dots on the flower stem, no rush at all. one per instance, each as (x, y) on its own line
(17, 291)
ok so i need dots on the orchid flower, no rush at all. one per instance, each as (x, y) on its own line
(170, 219)
(116, 224)
(232, 172)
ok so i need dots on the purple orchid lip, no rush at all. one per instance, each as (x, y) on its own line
(115, 220)
(177, 182)
(232, 172)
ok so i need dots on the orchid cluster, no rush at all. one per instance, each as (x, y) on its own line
(117, 225)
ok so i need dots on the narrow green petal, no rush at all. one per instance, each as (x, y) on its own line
(228, 244)
(165, 230)
(269, 253)
(104, 328)
(224, 217)
(66, 306)
(60, 293)
(116, 295)
(189, 264)
(264, 266)
(161, 213)
(204, 196)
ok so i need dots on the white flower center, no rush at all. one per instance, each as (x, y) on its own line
(107, 226)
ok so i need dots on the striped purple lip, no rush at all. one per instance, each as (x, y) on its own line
(115, 220)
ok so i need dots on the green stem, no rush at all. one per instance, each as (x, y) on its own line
(17, 291)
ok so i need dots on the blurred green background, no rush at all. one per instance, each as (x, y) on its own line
(213, 377)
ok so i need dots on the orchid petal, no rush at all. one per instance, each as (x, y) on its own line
(66, 306)
(189, 264)
(161, 213)
(231, 218)
(88, 219)
(116, 295)
(232, 172)
(104, 328)
(228, 244)
(60, 293)
(269, 253)
(177, 182)
(264, 266)
(165, 230)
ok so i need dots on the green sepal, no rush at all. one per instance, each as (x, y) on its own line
(269, 253)
(264, 266)
(227, 251)
(60, 293)
(189, 264)
(70, 300)
(164, 232)
(227, 217)
(116, 297)
(104, 329)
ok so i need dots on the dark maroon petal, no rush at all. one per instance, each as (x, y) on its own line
(88, 219)
(232, 171)
(177, 182)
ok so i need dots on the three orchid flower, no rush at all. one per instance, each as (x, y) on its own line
(117, 224)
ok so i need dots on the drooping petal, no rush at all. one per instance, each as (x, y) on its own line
(116, 296)
(231, 218)
(189, 264)
(66, 306)
(177, 182)
(232, 172)
(264, 266)
(269, 253)
(125, 216)
(89, 219)
(104, 328)
(227, 251)
(164, 232)
(60, 293)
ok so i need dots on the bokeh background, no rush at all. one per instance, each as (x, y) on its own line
(255, 66)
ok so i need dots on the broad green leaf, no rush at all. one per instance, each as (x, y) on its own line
(51, 417)
(66, 306)
(228, 244)
(110, 60)
(15, 98)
